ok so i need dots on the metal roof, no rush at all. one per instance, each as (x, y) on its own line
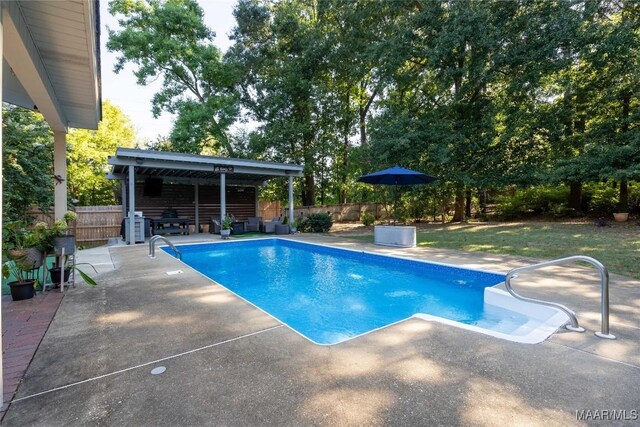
(51, 60)
(181, 167)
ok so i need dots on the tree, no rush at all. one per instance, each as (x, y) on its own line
(27, 146)
(279, 49)
(169, 40)
(88, 152)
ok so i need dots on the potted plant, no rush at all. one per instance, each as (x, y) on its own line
(23, 260)
(22, 270)
(225, 227)
(68, 268)
(293, 226)
(621, 213)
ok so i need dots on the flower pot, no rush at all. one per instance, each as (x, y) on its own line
(22, 290)
(621, 216)
(294, 230)
(225, 234)
(27, 257)
(55, 275)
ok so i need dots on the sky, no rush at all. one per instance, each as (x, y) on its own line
(134, 100)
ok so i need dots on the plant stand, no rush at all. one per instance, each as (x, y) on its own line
(65, 251)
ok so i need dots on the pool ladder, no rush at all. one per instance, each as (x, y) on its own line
(152, 246)
(604, 291)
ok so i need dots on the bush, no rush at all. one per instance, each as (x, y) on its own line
(367, 219)
(537, 200)
(316, 223)
(604, 200)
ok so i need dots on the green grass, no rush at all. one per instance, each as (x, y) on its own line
(617, 247)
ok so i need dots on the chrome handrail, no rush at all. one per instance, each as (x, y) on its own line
(152, 246)
(604, 290)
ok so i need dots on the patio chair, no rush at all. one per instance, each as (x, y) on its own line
(270, 226)
(214, 225)
(253, 224)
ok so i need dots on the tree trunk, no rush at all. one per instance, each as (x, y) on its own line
(575, 196)
(467, 206)
(309, 193)
(363, 127)
(624, 194)
(482, 201)
(458, 212)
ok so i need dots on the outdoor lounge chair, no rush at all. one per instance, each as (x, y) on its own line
(253, 224)
(270, 226)
(214, 225)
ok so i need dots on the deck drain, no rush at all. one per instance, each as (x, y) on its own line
(174, 272)
(159, 370)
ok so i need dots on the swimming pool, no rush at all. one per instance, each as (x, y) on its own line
(330, 295)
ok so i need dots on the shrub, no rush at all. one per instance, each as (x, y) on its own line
(604, 200)
(367, 219)
(316, 223)
(510, 207)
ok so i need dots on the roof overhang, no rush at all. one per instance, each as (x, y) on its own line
(51, 60)
(193, 168)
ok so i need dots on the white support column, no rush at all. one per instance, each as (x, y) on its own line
(123, 183)
(196, 196)
(223, 196)
(60, 171)
(291, 218)
(131, 238)
(1, 248)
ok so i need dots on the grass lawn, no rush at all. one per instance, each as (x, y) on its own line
(617, 247)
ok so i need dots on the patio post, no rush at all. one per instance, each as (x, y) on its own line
(60, 172)
(196, 196)
(132, 206)
(1, 56)
(290, 199)
(257, 209)
(223, 197)
(123, 184)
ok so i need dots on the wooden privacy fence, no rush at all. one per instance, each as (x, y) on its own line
(343, 213)
(100, 223)
(94, 223)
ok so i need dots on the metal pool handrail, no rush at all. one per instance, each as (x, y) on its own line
(152, 246)
(604, 290)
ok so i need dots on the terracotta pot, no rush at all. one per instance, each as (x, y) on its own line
(621, 216)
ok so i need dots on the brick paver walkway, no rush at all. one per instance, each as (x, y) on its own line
(24, 323)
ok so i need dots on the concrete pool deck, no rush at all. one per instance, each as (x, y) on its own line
(228, 363)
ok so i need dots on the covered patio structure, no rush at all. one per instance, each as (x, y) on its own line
(131, 165)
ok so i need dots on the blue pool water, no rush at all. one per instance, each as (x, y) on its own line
(330, 295)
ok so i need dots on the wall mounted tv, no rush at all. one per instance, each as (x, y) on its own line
(153, 187)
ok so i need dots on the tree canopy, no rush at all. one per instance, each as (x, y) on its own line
(484, 94)
(88, 152)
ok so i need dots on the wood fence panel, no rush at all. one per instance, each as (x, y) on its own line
(343, 213)
(269, 210)
(100, 223)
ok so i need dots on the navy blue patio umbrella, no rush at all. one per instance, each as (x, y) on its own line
(397, 176)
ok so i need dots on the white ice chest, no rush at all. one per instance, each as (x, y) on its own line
(399, 236)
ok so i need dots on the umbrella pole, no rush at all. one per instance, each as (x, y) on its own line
(395, 205)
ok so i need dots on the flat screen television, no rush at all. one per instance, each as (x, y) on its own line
(152, 187)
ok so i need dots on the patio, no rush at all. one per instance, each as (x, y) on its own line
(229, 363)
